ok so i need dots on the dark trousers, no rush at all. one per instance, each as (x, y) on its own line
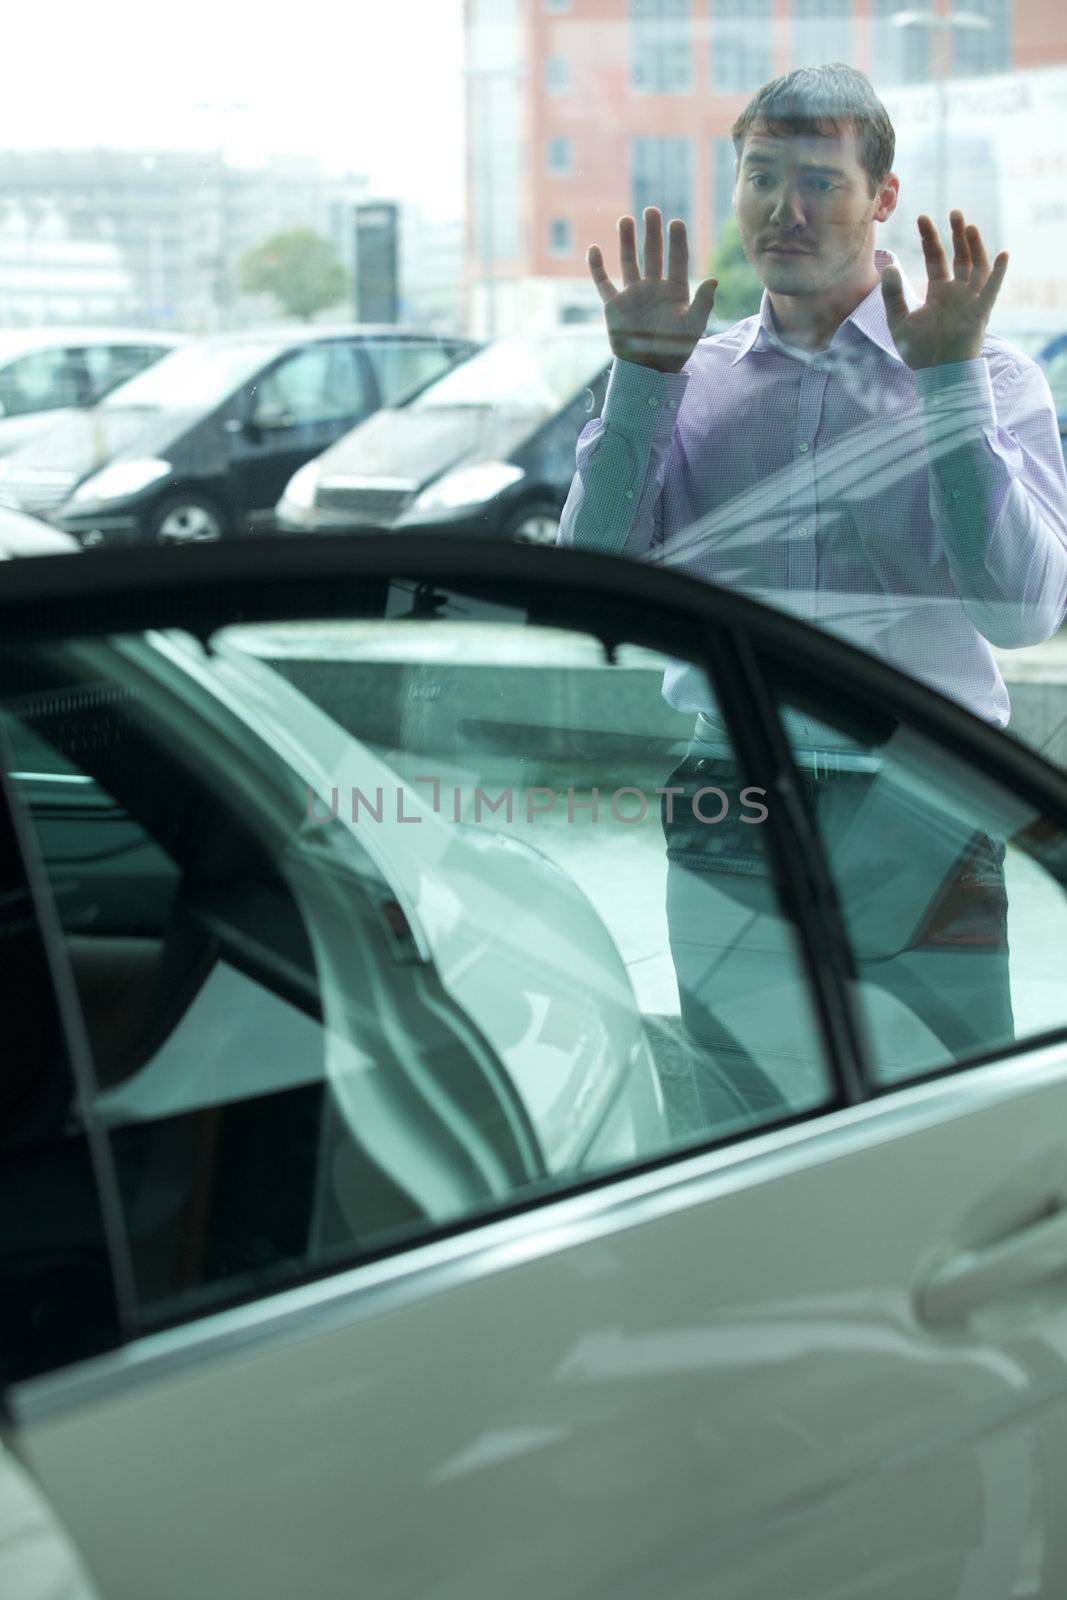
(939, 955)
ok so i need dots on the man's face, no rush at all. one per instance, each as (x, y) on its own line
(805, 210)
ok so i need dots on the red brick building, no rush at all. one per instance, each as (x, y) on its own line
(579, 110)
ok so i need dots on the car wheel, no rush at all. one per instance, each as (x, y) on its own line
(188, 519)
(534, 525)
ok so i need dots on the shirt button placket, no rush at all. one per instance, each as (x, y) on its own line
(803, 561)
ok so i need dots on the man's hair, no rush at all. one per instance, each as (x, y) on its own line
(821, 100)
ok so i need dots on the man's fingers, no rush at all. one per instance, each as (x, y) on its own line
(961, 249)
(936, 265)
(678, 255)
(893, 295)
(980, 270)
(598, 272)
(989, 294)
(700, 310)
(653, 251)
(628, 251)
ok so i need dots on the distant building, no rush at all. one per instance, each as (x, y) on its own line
(580, 110)
(148, 237)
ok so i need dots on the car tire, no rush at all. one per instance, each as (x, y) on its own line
(188, 519)
(534, 524)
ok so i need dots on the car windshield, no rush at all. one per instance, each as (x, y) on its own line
(196, 377)
(519, 375)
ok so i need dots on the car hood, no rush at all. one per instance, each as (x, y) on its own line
(416, 446)
(17, 431)
(84, 441)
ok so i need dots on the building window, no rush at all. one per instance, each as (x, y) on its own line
(560, 158)
(978, 51)
(723, 171)
(822, 31)
(559, 237)
(661, 174)
(556, 8)
(740, 43)
(901, 55)
(661, 46)
(557, 74)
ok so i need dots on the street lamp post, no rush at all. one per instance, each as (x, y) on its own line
(965, 21)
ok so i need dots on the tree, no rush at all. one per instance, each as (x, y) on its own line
(740, 290)
(300, 268)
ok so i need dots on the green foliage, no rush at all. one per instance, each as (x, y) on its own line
(300, 268)
(740, 290)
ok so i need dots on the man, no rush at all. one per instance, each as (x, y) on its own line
(870, 460)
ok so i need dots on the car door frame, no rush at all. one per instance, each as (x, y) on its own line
(742, 640)
(208, 586)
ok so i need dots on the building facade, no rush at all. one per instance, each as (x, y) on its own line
(581, 110)
(150, 238)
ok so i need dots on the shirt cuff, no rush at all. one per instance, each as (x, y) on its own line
(641, 402)
(958, 385)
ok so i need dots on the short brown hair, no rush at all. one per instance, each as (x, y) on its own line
(813, 99)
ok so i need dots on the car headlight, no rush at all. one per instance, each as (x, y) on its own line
(468, 486)
(120, 480)
(299, 492)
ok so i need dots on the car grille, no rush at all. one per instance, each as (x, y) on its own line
(35, 488)
(359, 506)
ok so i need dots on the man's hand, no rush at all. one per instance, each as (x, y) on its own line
(650, 319)
(952, 323)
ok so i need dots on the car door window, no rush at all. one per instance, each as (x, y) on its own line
(110, 365)
(375, 929)
(951, 888)
(406, 365)
(42, 381)
(567, 785)
(323, 383)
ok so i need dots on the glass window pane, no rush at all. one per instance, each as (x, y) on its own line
(740, 43)
(953, 892)
(376, 924)
(822, 31)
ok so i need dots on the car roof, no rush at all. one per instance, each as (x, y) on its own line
(293, 334)
(22, 341)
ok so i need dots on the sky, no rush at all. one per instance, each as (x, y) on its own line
(370, 86)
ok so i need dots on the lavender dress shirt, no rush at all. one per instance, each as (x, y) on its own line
(921, 515)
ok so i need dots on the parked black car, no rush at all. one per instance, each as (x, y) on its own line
(487, 449)
(201, 445)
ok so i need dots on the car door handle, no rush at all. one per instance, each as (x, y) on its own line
(1032, 1255)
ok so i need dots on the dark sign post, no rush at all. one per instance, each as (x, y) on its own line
(377, 280)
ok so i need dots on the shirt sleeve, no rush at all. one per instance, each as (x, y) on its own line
(998, 494)
(614, 502)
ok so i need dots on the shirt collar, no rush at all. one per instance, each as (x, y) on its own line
(869, 317)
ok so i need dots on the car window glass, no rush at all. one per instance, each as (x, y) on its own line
(323, 383)
(545, 765)
(110, 365)
(532, 375)
(56, 1266)
(197, 376)
(375, 928)
(953, 893)
(41, 381)
(399, 368)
